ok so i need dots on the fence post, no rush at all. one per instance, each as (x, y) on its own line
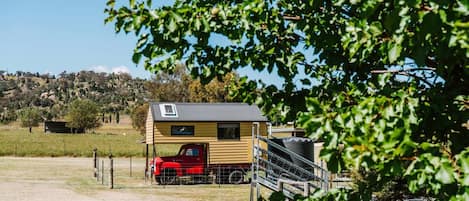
(147, 172)
(280, 186)
(97, 169)
(130, 166)
(95, 162)
(219, 176)
(306, 191)
(102, 172)
(111, 172)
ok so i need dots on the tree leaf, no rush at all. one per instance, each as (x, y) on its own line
(136, 57)
(110, 3)
(306, 82)
(177, 17)
(270, 51)
(445, 174)
(172, 26)
(394, 52)
(376, 28)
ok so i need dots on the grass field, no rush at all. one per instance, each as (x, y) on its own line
(69, 178)
(119, 139)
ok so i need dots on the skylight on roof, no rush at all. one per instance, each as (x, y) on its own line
(168, 110)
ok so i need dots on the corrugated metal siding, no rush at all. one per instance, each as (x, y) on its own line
(149, 128)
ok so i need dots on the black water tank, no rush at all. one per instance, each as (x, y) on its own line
(301, 146)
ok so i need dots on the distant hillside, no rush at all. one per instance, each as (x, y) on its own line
(51, 94)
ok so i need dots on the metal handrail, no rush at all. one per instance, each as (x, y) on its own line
(312, 184)
(297, 156)
(311, 175)
(299, 168)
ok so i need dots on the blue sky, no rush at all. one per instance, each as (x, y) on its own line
(52, 36)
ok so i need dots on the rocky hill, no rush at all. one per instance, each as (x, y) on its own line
(51, 94)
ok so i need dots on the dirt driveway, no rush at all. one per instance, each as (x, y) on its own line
(59, 179)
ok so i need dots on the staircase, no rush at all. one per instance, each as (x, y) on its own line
(279, 174)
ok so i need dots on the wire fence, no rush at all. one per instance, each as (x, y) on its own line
(195, 173)
(104, 172)
(104, 168)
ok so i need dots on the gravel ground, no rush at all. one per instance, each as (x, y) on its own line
(69, 179)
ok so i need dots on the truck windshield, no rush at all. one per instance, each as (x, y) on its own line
(188, 152)
(192, 152)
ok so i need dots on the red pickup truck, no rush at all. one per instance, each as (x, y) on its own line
(192, 161)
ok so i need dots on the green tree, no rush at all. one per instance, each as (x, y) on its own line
(138, 116)
(83, 114)
(386, 80)
(178, 86)
(172, 86)
(214, 91)
(30, 117)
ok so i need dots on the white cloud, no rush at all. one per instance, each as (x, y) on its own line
(120, 69)
(105, 69)
(100, 69)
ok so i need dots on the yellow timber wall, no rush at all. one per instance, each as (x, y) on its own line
(220, 151)
(149, 128)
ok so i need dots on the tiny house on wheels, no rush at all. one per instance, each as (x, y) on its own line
(217, 140)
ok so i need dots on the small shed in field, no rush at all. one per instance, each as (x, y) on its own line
(225, 127)
(60, 127)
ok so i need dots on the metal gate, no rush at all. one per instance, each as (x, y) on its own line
(275, 172)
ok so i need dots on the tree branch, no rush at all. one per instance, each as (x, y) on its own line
(292, 18)
(405, 72)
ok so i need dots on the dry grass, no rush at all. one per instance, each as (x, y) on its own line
(119, 139)
(71, 178)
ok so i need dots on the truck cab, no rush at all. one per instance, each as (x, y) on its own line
(191, 160)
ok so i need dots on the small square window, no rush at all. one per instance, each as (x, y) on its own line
(228, 131)
(168, 109)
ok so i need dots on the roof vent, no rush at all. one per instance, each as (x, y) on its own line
(168, 110)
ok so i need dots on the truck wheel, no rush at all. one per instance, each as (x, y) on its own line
(160, 180)
(168, 177)
(157, 179)
(236, 177)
